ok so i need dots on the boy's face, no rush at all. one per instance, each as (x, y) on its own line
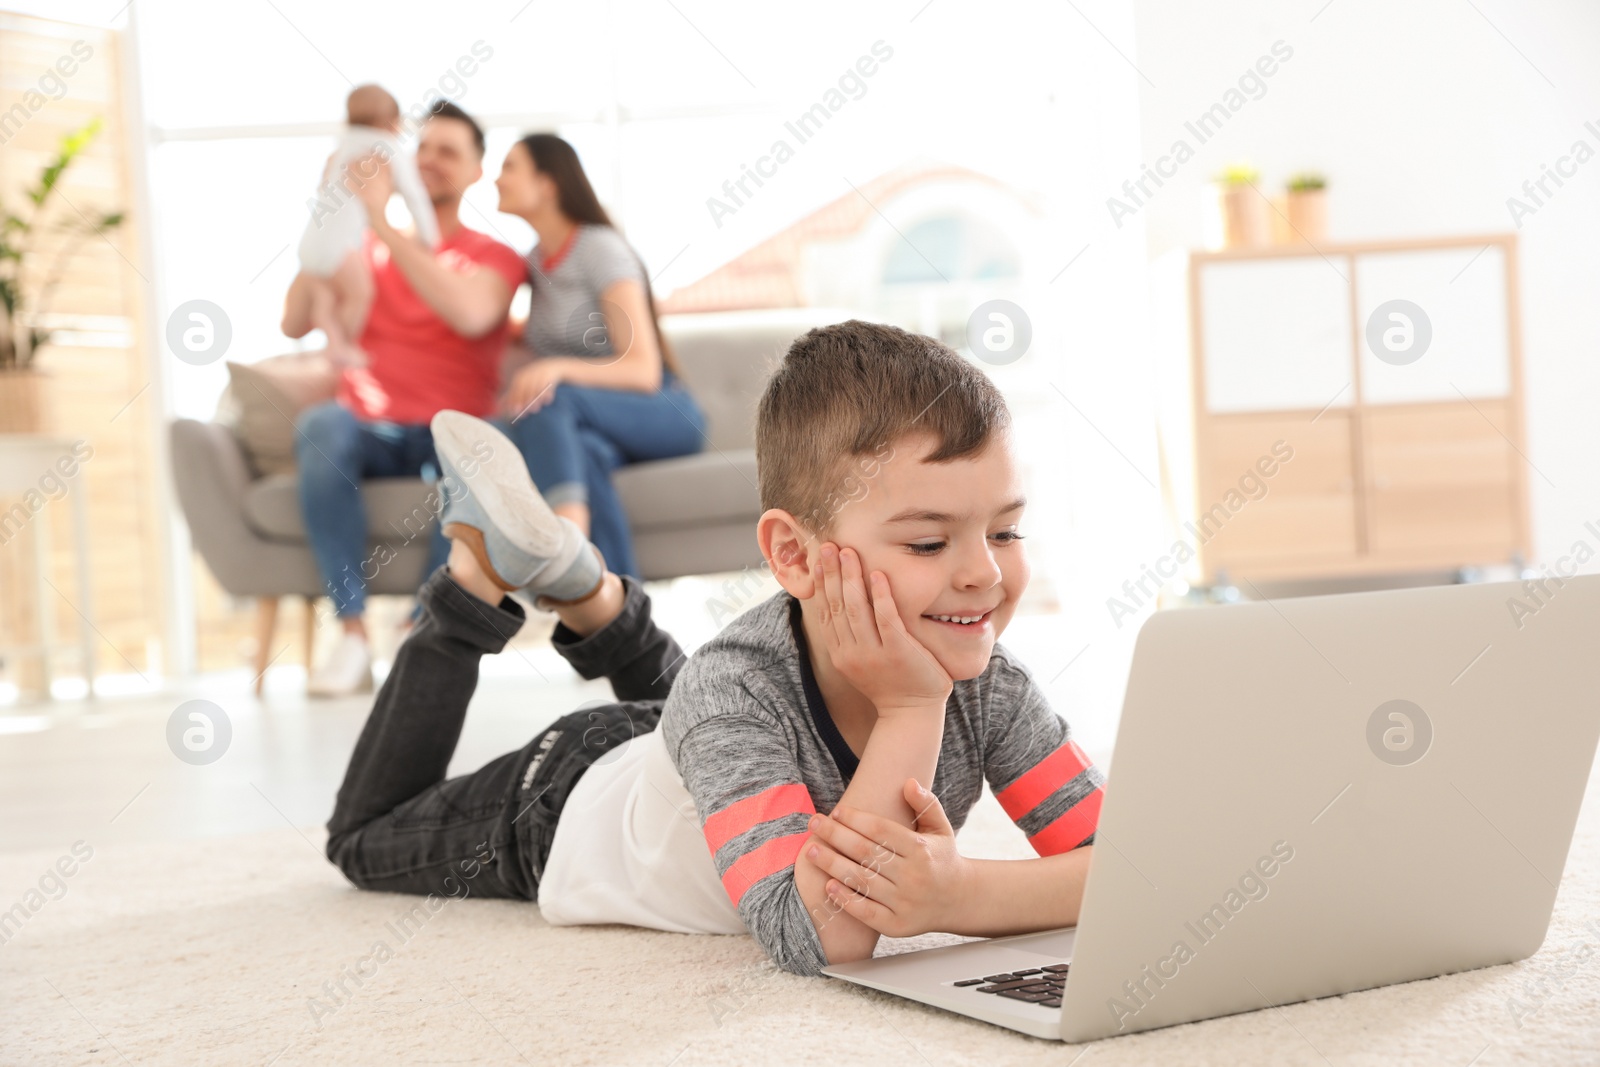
(946, 536)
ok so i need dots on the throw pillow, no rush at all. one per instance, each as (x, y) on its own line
(264, 399)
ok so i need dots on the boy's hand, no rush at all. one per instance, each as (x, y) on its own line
(867, 640)
(899, 880)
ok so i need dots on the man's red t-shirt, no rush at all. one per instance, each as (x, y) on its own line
(420, 366)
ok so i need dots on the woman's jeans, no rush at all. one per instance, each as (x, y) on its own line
(575, 441)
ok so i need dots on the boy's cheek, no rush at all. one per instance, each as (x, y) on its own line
(902, 587)
(1018, 570)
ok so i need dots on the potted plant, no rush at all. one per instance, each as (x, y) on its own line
(1239, 217)
(1308, 207)
(26, 283)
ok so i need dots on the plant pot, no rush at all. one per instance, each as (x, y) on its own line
(1308, 215)
(22, 401)
(1278, 217)
(1240, 217)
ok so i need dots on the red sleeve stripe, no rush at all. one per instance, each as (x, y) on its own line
(1071, 827)
(770, 858)
(743, 815)
(1048, 775)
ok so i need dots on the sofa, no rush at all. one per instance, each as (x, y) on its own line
(691, 515)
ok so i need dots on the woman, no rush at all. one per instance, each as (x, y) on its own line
(602, 389)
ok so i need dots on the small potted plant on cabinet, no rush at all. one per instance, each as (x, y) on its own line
(1239, 213)
(1308, 207)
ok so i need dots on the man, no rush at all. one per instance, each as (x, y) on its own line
(435, 338)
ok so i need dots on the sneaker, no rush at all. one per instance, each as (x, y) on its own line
(497, 512)
(346, 672)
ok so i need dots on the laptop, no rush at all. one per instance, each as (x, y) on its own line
(1309, 797)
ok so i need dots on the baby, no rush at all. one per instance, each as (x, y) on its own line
(331, 249)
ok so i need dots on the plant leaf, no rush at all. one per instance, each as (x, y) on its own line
(72, 144)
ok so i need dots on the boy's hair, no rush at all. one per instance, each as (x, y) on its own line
(444, 109)
(371, 105)
(853, 390)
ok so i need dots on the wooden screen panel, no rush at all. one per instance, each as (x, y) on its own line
(97, 373)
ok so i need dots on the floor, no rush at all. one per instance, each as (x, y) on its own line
(105, 769)
(206, 927)
(75, 767)
(251, 949)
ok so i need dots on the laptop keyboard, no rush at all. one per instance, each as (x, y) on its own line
(1033, 985)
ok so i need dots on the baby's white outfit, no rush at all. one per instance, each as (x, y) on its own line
(338, 218)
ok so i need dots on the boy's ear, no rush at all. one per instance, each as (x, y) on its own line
(785, 544)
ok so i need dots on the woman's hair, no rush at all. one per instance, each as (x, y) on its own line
(557, 159)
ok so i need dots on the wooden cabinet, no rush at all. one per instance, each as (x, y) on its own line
(1357, 409)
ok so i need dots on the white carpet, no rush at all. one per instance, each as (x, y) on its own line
(217, 952)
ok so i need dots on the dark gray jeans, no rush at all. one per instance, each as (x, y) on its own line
(399, 826)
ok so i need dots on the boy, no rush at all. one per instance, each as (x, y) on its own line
(873, 672)
(331, 245)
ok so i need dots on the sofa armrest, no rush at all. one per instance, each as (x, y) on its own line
(211, 476)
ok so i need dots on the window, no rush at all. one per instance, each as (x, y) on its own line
(951, 249)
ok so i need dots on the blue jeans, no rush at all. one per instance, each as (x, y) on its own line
(574, 442)
(335, 451)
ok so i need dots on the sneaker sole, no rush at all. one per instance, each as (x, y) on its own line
(503, 488)
(472, 537)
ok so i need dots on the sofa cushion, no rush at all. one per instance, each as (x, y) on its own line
(701, 490)
(727, 356)
(264, 399)
(398, 509)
